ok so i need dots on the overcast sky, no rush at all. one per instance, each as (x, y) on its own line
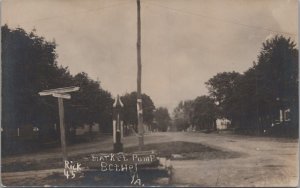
(184, 42)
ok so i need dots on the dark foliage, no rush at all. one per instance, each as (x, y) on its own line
(29, 66)
(253, 100)
(162, 119)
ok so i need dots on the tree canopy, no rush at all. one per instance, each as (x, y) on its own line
(222, 89)
(200, 113)
(204, 113)
(183, 115)
(251, 100)
(254, 99)
(29, 65)
(162, 119)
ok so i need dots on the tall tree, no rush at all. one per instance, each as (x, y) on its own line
(205, 113)
(183, 115)
(222, 88)
(162, 119)
(29, 66)
(91, 104)
(277, 79)
(253, 100)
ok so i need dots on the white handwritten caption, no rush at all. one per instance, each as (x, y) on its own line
(71, 169)
(113, 163)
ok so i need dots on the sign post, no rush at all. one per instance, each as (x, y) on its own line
(62, 128)
(60, 94)
(118, 125)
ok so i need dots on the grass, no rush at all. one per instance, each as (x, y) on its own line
(186, 150)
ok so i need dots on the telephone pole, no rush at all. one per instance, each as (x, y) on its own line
(139, 76)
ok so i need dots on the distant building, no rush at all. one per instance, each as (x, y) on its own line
(223, 123)
(191, 128)
(147, 128)
(86, 129)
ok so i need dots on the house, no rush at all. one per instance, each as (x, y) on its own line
(223, 123)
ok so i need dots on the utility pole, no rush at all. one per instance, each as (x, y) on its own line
(139, 76)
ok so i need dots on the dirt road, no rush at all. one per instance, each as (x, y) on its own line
(262, 161)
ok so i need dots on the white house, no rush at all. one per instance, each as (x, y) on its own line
(222, 123)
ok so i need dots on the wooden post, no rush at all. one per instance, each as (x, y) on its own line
(62, 128)
(139, 75)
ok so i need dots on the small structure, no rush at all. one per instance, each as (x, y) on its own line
(86, 129)
(118, 125)
(284, 115)
(222, 123)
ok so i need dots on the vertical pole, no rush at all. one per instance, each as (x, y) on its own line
(114, 131)
(62, 128)
(280, 116)
(139, 75)
(122, 130)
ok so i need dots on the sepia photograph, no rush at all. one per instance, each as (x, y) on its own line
(139, 93)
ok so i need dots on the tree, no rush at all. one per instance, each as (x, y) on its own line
(200, 113)
(277, 80)
(245, 114)
(162, 119)
(205, 113)
(91, 104)
(253, 100)
(222, 88)
(183, 114)
(29, 66)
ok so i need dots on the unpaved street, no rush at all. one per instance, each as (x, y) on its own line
(262, 161)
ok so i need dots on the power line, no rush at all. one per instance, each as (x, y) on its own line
(79, 12)
(219, 19)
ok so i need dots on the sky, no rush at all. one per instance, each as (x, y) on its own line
(184, 42)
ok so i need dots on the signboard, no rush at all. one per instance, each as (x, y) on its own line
(58, 91)
(64, 96)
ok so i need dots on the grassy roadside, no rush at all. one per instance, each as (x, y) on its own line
(175, 150)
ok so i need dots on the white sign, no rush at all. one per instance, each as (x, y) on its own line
(64, 96)
(58, 91)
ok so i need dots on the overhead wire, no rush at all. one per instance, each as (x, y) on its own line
(219, 19)
(71, 13)
(77, 12)
(169, 8)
